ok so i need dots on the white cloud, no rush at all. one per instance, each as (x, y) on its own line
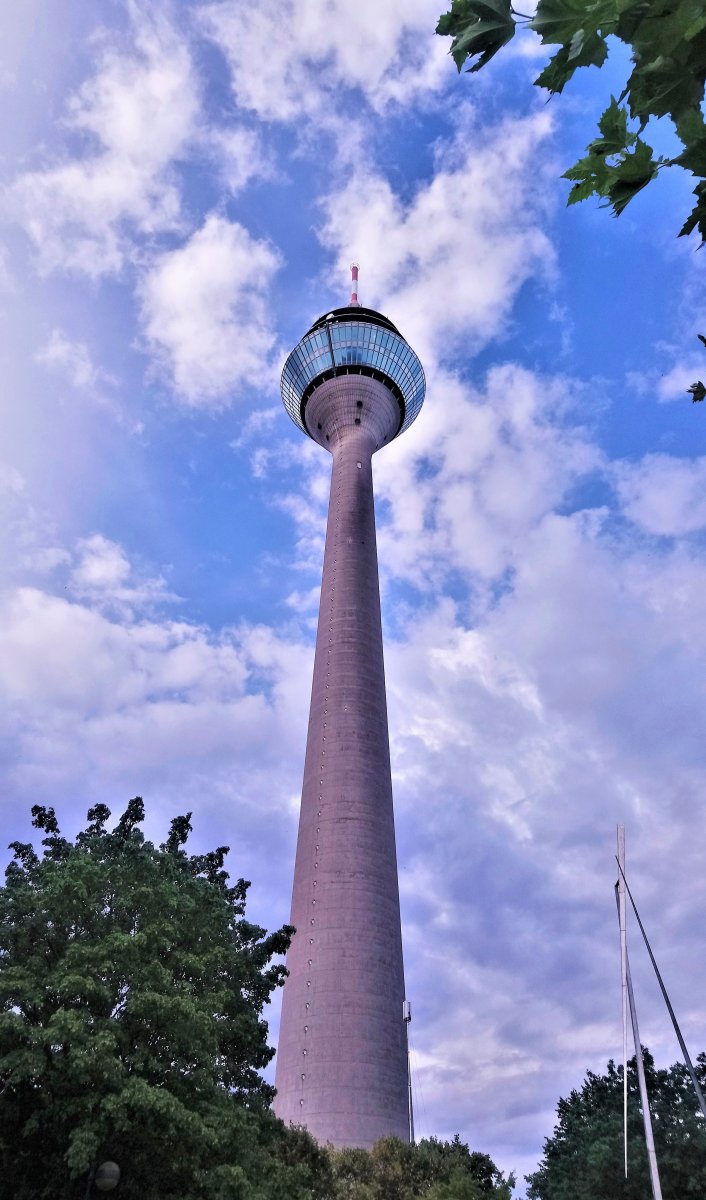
(65, 656)
(12, 482)
(461, 490)
(43, 560)
(7, 283)
(73, 360)
(105, 577)
(518, 739)
(97, 705)
(451, 261)
(305, 602)
(674, 384)
(293, 62)
(240, 156)
(205, 315)
(133, 118)
(561, 689)
(524, 726)
(260, 420)
(476, 474)
(663, 494)
(518, 743)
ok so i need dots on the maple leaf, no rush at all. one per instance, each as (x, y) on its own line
(478, 27)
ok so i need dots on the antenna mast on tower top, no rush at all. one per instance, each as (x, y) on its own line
(354, 285)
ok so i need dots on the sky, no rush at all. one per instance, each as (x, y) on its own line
(182, 189)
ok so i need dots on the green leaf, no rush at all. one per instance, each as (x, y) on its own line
(693, 158)
(666, 28)
(697, 391)
(585, 1149)
(615, 135)
(589, 175)
(616, 182)
(697, 217)
(664, 87)
(563, 20)
(692, 132)
(581, 191)
(479, 28)
(131, 1019)
(667, 41)
(668, 44)
(630, 14)
(630, 176)
(561, 67)
(691, 127)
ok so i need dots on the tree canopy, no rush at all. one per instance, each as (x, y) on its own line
(131, 997)
(667, 41)
(430, 1169)
(583, 1159)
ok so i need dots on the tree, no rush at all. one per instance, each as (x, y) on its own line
(395, 1170)
(583, 1159)
(131, 998)
(667, 39)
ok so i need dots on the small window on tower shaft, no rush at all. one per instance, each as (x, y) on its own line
(359, 403)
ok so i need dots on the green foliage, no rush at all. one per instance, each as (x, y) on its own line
(435, 1170)
(478, 27)
(618, 164)
(583, 1159)
(667, 39)
(131, 998)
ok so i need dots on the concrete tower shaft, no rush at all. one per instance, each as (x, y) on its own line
(341, 1062)
(341, 1059)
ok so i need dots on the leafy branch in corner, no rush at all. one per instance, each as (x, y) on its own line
(667, 40)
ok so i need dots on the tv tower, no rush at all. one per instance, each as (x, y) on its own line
(352, 384)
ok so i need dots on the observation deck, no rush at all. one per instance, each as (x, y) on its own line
(353, 341)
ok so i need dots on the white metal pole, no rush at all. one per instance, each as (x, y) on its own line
(407, 1018)
(646, 1118)
(687, 1057)
(623, 986)
(411, 1105)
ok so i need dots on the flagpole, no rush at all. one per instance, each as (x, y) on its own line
(675, 1023)
(626, 979)
(623, 988)
(646, 1117)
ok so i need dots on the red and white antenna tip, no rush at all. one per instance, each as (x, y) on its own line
(354, 284)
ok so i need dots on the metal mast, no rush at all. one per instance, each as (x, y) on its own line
(687, 1057)
(407, 1017)
(644, 1099)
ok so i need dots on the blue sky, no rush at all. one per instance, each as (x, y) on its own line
(183, 189)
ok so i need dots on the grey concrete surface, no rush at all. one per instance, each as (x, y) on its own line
(341, 1060)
